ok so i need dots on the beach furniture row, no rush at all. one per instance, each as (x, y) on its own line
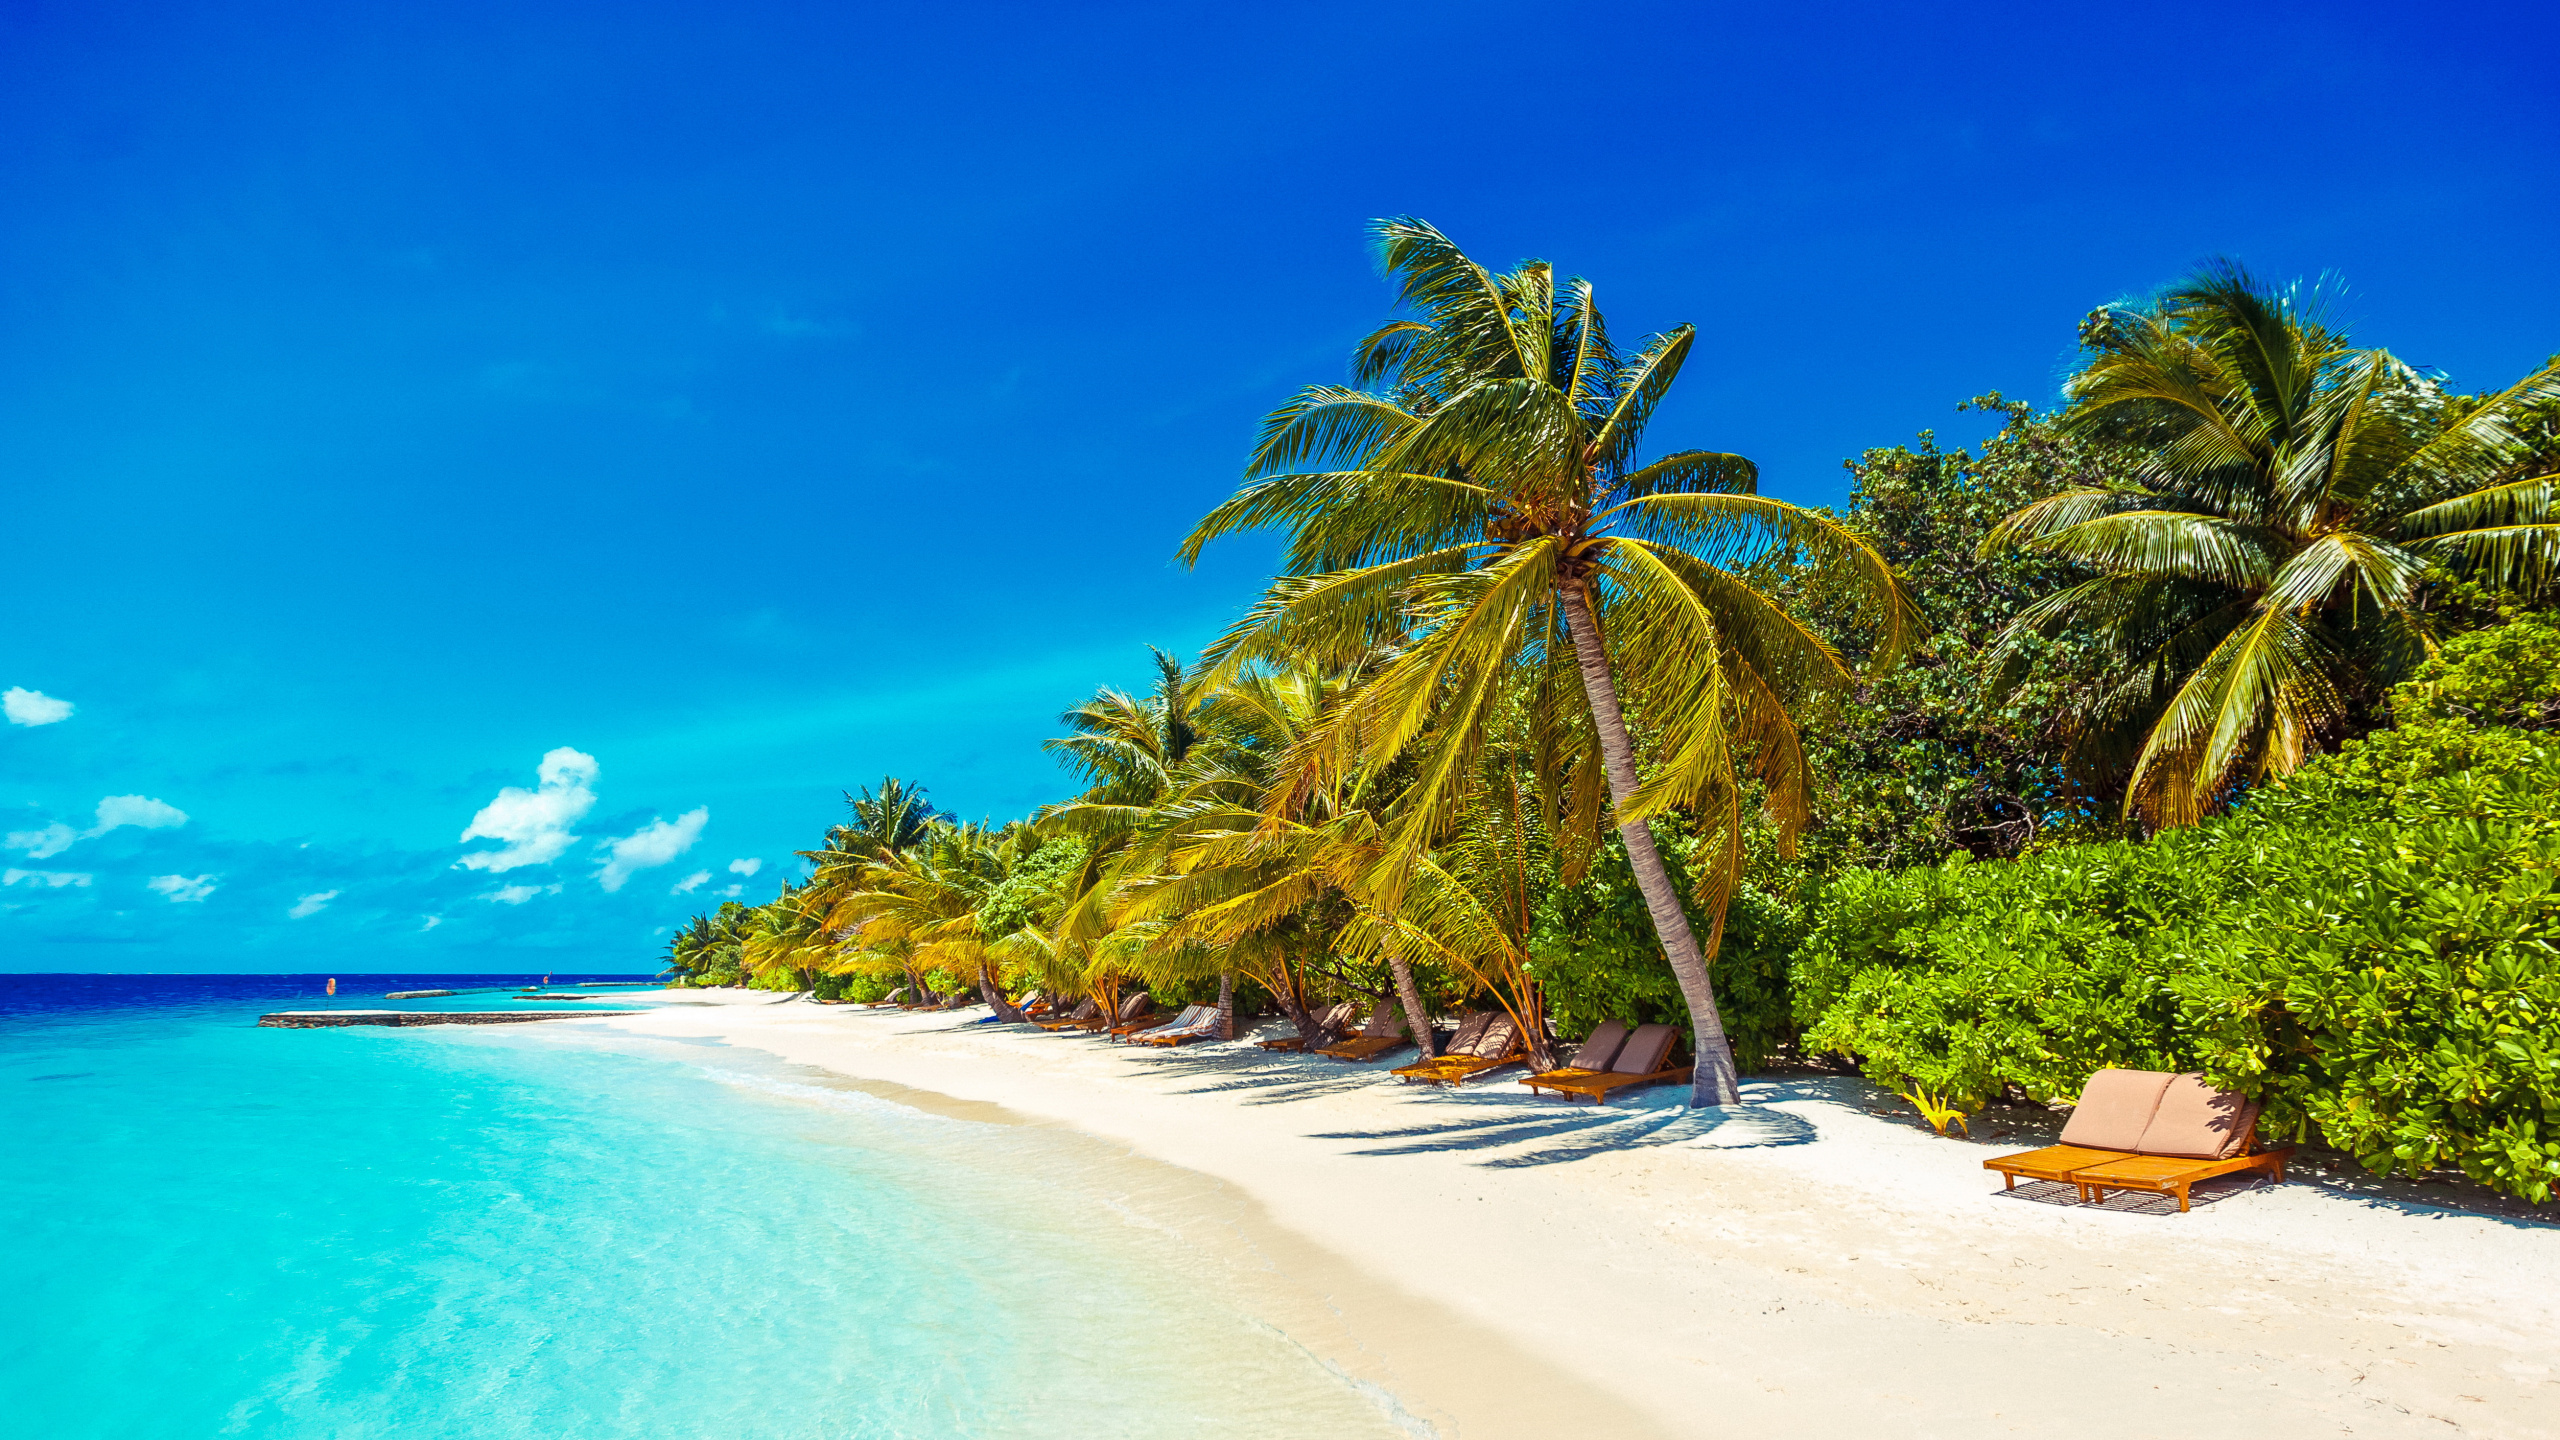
(2133, 1130)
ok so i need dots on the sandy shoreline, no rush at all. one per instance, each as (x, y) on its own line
(1508, 1266)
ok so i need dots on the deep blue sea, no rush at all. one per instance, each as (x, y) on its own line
(539, 1231)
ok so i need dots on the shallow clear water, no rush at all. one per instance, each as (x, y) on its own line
(489, 1232)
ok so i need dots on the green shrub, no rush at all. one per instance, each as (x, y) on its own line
(1595, 953)
(2506, 675)
(2371, 947)
(856, 988)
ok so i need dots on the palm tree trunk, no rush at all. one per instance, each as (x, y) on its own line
(993, 994)
(1417, 1020)
(1291, 995)
(1716, 1082)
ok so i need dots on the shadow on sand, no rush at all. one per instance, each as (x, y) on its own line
(1510, 1126)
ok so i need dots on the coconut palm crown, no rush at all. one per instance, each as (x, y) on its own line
(2262, 574)
(1483, 505)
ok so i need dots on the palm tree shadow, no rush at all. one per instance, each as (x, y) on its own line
(1722, 1128)
(1552, 1132)
(1555, 1133)
(1260, 1077)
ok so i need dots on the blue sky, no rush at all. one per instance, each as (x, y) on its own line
(736, 403)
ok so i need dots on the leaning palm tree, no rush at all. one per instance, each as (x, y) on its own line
(1222, 868)
(1484, 507)
(2264, 567)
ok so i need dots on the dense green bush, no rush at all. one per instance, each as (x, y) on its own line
(1598, 958)
(2506, 675)
(2372, 947)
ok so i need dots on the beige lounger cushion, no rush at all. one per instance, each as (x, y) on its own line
(1328, 1024)
(1644, 1051)
(1133, 1007)
(1470, 1030)
(2115, 1107)
(1603, 1046)
(1496, 1040)
(1383, 1022)
(2197, 1122)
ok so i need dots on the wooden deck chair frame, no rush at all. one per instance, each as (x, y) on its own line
(1203, 1028)
(1457, 1067)
(1055, 1023)
(1329, 1018)
(2093, 1171)
(1138, 1013)
(1157, 1021)
(1384, 1031)
(1570, 1082)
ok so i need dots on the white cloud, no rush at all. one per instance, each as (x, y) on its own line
(182, 890)
(657, 843)
(518, 894)
(33, 707)
(312, 904)
(43, 844)
(140, 811)
(734, 891)
(49, 879)
(690, 883)
(747, 868)
(432, 922)
(114, 813)
(534, 824)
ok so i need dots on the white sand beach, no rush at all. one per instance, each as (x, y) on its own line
(1510, 1266)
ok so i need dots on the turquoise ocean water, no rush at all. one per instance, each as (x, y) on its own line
(491, 1232)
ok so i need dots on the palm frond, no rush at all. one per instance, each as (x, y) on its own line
(2170, 543)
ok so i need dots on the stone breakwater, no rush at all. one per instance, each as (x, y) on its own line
(325, 1019)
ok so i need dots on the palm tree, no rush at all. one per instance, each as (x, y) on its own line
(788, 936)
(2263, 573)
(923, 901)
(895, 818)
(1484, 506)
(1221, 870)
(715, 944)
(1133, 753)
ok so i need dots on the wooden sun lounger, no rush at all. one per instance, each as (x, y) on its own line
(1188, 1015)
(1599, 1086)
(1643, 1060)
(1383, 1033)
(1457, 1070)
(1486, 1042)
(1139, 1013)
(2053, 1162)
(2172, 1175)
(1332, 1019)
(1088, 1012)
(1471, 1028)
(1363, 1048)
(2149, 1131)
(1204, 1028)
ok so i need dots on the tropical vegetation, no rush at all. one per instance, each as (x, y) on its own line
(2210, 721)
